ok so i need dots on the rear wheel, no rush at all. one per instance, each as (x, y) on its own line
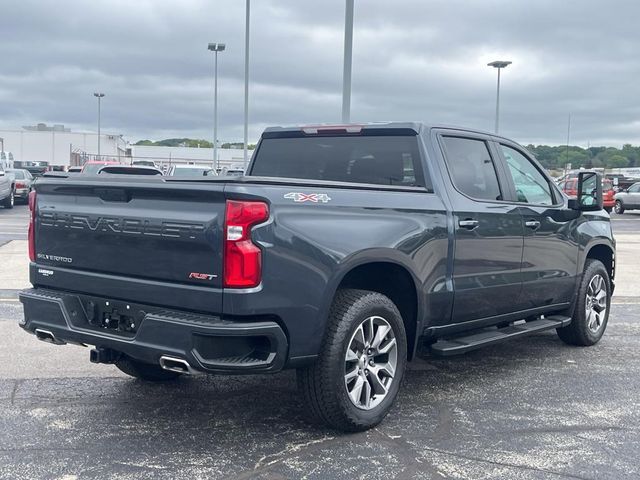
(591, 312)
(145, 371)
(10, 200)
(619, 207)
(355, 380)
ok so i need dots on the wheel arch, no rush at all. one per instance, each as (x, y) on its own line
(391, 277)
(604, 253)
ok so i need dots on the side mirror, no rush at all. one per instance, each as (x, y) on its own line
(589, 193)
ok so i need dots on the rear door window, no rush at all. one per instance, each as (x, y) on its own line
(471, 168)
(380, 160)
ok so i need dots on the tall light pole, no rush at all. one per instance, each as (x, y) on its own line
(346, 71)
(499, 64)
(99, 96)
(246, 85)
(215, 47)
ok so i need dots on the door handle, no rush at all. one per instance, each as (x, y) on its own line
(468, 223)
(532, 224)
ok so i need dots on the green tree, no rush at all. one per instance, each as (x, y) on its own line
(617, 161)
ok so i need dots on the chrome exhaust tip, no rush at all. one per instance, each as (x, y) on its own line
(174, 364)
(47, 336)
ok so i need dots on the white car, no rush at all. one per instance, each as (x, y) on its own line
(7, 189)
(191, 171)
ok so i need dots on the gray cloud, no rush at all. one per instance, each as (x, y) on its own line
(413, 60)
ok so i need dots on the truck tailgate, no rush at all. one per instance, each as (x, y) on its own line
(131, 230)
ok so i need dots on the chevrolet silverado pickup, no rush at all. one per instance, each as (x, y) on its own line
(344, 252)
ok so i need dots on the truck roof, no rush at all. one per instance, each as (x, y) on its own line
(378, 127)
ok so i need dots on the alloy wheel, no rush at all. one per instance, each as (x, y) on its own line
(596, 303)
(370, 362)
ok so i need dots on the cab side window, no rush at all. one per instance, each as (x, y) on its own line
(531, 185)
(471, 168)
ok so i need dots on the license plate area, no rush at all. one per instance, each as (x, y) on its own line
(114, 316)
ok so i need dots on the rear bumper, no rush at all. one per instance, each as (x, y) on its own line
(21, 193)
(208, 343)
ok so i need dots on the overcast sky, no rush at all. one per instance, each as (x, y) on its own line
(413, 60)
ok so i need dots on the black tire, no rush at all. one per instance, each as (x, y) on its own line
(145, 371)
(10, 200)
(578, 331)
(619, 207)
(323, 384)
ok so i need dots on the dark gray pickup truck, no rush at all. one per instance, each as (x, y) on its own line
(344, 252)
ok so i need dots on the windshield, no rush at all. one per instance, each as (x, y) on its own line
(92, 167)
(18, 174)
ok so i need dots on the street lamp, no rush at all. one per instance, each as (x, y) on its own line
(215, 47)
(346, 71)
(99, 96)
(499, 64)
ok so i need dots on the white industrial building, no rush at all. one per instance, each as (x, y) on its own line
(54, 144)
(60, 146)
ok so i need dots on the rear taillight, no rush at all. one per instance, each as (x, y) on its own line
(19, 184)
(242, 258)
(32, 226)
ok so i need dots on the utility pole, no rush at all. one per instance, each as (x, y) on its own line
(348, 53)
(99, 96)
(246, 85)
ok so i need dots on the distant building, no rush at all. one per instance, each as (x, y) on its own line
(227, 157)
(54, 144)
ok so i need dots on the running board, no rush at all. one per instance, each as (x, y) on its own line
(489, 336)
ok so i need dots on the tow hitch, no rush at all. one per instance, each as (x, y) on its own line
(103, 355)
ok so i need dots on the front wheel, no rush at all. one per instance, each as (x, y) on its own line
(618, 207)
(591, 312)
(355, 380)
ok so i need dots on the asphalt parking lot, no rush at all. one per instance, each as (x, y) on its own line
(530, 409)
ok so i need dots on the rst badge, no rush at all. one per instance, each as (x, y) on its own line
(299, 197)
(202, 276)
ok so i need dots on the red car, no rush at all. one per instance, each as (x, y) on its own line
(570, 188)
(96, 165)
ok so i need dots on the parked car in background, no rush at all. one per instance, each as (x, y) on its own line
(23, 180)
(95, 166)
(233, 172)
(570, 188)
(620, 182)
(35, 168)
(7, 189)
(147, 163)
(628, 199)
(191, 171)
(129, 170)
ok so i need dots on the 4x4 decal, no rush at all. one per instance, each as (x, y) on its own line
(299, 197)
